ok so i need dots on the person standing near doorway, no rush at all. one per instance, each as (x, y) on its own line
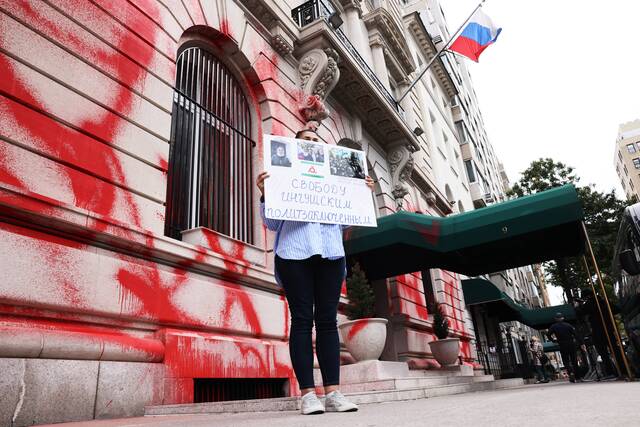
(310, 266)
(565, 335)
(539, 359)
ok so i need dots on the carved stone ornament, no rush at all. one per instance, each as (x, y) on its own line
(319, 74)
(401, 164)
(281, 45)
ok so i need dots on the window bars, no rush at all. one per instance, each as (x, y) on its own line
(210, 166)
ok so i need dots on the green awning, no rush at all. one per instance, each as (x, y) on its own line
(498, 303)
(480, 291)
(523, 231)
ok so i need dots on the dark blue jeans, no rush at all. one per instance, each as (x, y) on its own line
(541, 373)
(307, 283)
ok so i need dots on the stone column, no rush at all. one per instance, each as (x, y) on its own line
(353, 17)
(409, 117)
(379, 64)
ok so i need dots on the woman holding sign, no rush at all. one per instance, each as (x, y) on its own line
(310, 265)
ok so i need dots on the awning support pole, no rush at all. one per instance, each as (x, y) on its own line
(604, 324)
(606, 300)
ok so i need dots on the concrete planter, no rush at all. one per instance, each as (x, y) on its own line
(446, 351)
(364, 338)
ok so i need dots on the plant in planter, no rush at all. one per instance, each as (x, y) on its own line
(364, 335)
(440, 323)
(444, 349)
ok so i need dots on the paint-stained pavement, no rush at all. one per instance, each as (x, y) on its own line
(555, 404)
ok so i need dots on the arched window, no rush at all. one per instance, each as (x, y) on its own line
(210, 168)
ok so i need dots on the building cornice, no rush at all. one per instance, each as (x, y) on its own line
(275, 24)
(428, 48)
(381, 20)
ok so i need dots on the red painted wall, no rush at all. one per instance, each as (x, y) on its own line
(85, 113)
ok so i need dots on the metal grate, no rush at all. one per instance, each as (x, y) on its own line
(225, 389)
(210, 167)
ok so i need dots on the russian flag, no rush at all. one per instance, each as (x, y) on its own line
(476, 36)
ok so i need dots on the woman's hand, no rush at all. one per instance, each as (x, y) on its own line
(260, 181)
(369, 181)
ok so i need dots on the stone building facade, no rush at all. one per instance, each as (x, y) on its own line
(135, 267)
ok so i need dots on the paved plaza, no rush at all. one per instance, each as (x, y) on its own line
(556, 404)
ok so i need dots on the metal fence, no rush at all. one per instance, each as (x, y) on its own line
(503, 360)
(210, 166)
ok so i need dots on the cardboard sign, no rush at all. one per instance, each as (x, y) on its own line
(316, 182)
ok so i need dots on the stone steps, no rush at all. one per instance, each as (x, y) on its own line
(412, 382)
(362, 397)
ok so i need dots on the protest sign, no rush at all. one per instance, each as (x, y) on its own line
(316, 182)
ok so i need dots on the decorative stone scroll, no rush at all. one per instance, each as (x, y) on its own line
(400, 159)
(319, 74)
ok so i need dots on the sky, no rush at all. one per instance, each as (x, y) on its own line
(560, 79)
(558, 82)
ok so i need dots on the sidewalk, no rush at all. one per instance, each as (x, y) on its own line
(554, 404)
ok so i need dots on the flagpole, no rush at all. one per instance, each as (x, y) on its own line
(446, 46)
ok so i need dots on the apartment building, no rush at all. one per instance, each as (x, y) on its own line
(627, 157)
(488, 183)
(127, 283)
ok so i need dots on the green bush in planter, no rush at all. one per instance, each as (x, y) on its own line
(360, 294)
(440, 323)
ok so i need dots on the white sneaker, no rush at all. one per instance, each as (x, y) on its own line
(310, 404)
(336, 402)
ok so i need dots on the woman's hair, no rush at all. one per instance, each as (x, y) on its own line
(305, 130)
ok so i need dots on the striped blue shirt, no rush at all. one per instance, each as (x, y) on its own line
(301, 240)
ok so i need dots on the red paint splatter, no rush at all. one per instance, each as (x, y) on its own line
(99, 199)
(145, 344)
(408, 289)
(154, 296)
(224, 27)
(356, 327)
(430, 233)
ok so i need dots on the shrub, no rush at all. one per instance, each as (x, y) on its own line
(360, 294)
(440, 323)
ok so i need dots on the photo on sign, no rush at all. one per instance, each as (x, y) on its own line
(279, 155)
(346, 163)
(310, 152)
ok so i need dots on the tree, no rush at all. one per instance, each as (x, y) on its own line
(602, 213)
(360, 295)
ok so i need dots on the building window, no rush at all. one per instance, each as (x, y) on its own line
(631, 185)
(626, 171)
(638, 146)
(209, 182)
(468, 164)
(619, 155)
(462, 135)
(636, 162)
(631, 148)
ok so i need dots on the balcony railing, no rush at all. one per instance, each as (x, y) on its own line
(313, 10)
